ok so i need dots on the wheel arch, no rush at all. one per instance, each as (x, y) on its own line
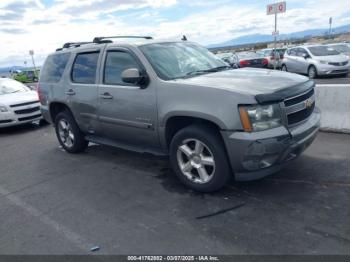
(176, 122)
(57, 107)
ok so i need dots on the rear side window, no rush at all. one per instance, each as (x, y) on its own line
(84, 68)
(116, 63)
(54, 68)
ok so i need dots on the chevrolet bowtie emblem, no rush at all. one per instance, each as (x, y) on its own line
(309, 103)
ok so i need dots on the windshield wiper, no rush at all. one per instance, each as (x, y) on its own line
(211, 70)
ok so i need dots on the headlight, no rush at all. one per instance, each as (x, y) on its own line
(260, 117)
(323, 62)
(3, 109)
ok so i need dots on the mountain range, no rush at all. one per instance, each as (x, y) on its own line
(259, 38)
(246, 39)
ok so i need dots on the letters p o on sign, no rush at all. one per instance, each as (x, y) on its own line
(276, 8)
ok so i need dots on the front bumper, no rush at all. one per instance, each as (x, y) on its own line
(258, 154)
(10, 119)
(324, 69)
(20, 115)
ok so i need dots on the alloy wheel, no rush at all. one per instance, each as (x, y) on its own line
(196, 161)
(65, 132)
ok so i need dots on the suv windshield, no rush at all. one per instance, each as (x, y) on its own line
(8, 86)
(180, 60)
(322, 51)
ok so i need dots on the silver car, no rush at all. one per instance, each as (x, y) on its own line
(315, 60)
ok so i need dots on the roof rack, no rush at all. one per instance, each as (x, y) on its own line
(73, 44)
(102, 39)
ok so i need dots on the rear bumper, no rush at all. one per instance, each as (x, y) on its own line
(258, 154)
(46, 113)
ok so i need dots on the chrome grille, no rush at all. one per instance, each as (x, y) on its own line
(300, 107)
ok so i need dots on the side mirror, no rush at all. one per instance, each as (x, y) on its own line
(305, 56)
(133, 76)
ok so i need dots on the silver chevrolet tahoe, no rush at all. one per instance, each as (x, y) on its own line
(176, 98)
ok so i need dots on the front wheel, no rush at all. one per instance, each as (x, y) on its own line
(199, 160)
(69, 134)
(312, 72)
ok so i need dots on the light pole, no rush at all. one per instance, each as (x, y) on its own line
(330, 27)
(31, 53)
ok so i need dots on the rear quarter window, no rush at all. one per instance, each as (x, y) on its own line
(84, 68)
(54, 67)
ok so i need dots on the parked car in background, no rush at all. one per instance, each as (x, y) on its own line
(18, 104)
(230, 58)
(27, 76)
(252, 59)
(315, 60)
(273, 57)
(178, 99)
(343, 48)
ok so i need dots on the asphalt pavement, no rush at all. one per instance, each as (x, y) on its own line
(52, 202)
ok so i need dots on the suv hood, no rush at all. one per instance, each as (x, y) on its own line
(247, 80)
(18, 98)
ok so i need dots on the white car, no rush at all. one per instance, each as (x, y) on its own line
(18, 104)
(315, 60)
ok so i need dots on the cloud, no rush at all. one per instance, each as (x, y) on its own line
(11, 16)
(79, 8)
(206, 22)
(15, 31)
(43, 21)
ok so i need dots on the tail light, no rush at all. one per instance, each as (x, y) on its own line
(264, 61)
(244, 63)
(40, 94)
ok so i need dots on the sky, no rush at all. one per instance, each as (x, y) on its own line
(45, 25)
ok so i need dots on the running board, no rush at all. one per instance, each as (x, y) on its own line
(113, 143)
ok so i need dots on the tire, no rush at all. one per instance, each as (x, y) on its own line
(216, 166)
(284, 68)
(70, 137)
(312, 72)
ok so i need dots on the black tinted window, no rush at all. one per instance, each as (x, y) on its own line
(54, 67)
(116, 63)
(84, 68)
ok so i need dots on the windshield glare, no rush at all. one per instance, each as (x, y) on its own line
(341, 48)
(323, 51)
(8, 86)
(179, 60)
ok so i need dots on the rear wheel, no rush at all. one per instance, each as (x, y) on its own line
(284, 68)
(68, 133)
(312, 72)
(198, 158)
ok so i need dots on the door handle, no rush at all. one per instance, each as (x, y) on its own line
(70, 92)
(106, 95)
